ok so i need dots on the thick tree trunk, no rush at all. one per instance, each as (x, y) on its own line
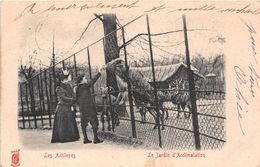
(111, 49)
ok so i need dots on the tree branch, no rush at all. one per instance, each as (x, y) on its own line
(23, 72)
(99, 17)
(82, 34)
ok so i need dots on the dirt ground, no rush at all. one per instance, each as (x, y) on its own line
(39, 139)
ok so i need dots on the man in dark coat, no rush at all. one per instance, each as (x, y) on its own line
(88, 113)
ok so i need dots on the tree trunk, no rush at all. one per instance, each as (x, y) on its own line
(111, 49)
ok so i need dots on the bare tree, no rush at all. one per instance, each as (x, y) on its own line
(111, 48)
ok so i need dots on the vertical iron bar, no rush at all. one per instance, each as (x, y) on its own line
(50, 90)
(54, 78)
(129, 88)
(31, 90)
(191, 89)
(27, 104)
(63, 65)
(48, 101)
(89, 70)
(42, 90)
(75, 65)
(154, 81)
(21, 98)
(89, 65)
(40, 97)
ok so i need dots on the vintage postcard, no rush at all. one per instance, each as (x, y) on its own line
(130, 83)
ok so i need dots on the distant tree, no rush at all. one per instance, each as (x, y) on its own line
(213, 65)
(29, 71)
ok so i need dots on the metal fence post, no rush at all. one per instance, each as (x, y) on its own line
(50, 89)
(27, 104)
(75, 65)
(129, 88)
(63, 65)
(42, 90)
(54, 79)
(21, 98)
(40, 97)
(154, 81)
(89, 68)
(32, 100)
(191, 89)
(48, 101)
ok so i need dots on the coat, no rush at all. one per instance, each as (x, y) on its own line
(85, 100)
(64, 127)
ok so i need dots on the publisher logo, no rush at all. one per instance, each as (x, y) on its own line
(15, 158)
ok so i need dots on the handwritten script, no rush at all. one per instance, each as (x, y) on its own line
(34, 8)
(246, 78)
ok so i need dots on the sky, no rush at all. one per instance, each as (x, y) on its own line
(39, 32)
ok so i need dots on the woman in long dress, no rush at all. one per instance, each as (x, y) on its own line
(65, 127)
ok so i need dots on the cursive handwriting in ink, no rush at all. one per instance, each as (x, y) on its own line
(30, 9)
(244, 9)
(254, 77)
(247, 79)
(241, 100)
(53, 8)
(34, 8)
(206, 7)
(252, 33)
(157, 8)
(240, 80)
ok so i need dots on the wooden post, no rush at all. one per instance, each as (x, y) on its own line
(129, 88)
(191, 89)
(154, 81)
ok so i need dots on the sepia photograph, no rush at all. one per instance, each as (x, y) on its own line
(100, 83)
(146, 90)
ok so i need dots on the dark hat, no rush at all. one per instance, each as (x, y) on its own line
(79, 78)
(61, 76)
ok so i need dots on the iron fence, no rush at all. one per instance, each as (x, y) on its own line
(154, 100)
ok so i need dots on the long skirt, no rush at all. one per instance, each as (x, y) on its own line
(64, 127)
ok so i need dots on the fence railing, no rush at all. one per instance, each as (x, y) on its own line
(153, 112)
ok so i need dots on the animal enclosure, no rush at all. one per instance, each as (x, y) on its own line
(156, 92)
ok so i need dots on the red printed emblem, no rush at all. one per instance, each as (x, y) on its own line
(15, 158)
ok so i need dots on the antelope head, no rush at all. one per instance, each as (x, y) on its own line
(117, 66)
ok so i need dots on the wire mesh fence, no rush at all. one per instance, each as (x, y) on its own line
(145, 93)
